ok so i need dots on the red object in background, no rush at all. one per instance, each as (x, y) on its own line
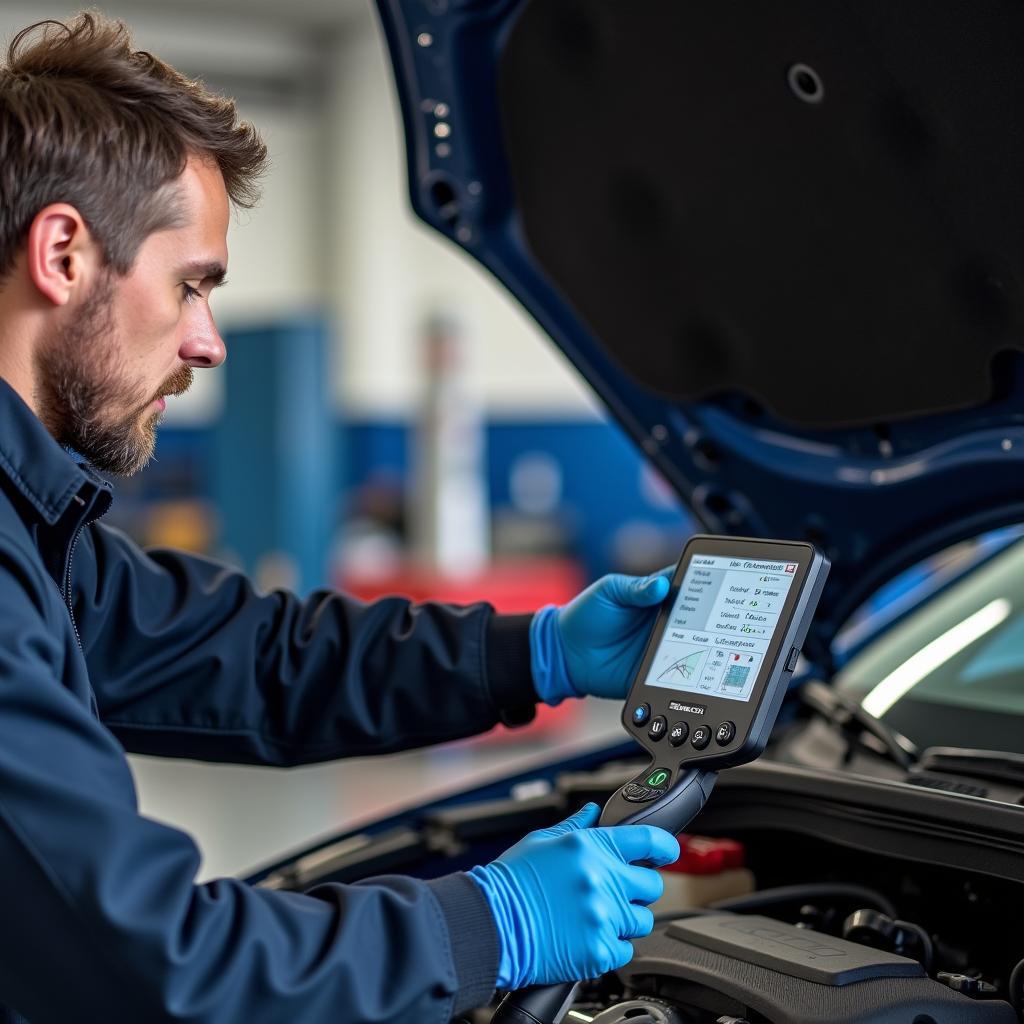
(703, 856)
(514, 587)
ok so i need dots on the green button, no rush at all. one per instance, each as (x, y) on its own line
(657, 778)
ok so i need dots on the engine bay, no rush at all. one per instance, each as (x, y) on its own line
(872, 901)
(750, 968)
(858, 938)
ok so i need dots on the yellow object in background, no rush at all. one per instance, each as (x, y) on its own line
(187, 525)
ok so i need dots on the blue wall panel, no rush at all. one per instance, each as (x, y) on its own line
(274, 480)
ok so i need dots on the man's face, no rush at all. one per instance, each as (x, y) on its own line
(103, 374)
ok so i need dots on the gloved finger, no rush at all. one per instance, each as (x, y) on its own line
(657, 588)
(621, 953)
(642, 885)
(634, 591)
(640, 922)
(666, 572)
(585, 817)
(644, 842)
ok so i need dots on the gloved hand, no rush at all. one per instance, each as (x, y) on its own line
(592, 644)
(565, 899)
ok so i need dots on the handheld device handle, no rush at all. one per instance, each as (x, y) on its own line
(548, 1004)
(537, 1004)
(672, 812)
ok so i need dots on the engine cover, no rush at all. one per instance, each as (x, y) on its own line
(737, 964)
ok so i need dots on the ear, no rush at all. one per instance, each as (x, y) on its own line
(61, 256)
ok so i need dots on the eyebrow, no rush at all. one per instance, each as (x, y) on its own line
(204, 271)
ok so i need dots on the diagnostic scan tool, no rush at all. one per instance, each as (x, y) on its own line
(715, 670)
(707, 693)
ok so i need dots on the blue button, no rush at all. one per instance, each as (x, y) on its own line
(641, 713)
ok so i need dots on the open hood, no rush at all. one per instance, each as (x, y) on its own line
(782, 239)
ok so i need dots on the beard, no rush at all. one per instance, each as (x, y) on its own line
(86, 403)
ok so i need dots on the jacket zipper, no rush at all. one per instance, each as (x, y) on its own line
(67, 574)
(67, 583)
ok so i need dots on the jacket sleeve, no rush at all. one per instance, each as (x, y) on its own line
(103, 920)
(188, 660)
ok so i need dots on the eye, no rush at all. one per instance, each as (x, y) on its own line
(190, 293)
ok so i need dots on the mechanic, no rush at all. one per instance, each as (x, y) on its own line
(117, 176)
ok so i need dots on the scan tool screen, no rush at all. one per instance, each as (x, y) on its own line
(721, 625)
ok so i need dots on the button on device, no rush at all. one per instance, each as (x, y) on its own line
(658, 727)
(641, 713)
(678, 733)
(658, 778)
(635, 793)
(724, 733)
(701, 737)
(794, 657)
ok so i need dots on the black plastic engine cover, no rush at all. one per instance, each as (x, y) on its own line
(760, 965)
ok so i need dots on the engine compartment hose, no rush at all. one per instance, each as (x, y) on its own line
(806, 894)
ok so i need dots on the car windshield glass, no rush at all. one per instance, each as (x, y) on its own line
(952, 673)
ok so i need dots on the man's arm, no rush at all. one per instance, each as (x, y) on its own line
(102, 916)
(187, 659)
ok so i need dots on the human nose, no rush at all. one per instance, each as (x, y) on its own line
(203, 346)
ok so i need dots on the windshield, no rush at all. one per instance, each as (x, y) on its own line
(952, 673)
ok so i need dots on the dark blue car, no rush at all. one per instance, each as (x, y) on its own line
(784, 241)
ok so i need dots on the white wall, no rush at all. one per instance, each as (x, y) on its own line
(391, 270)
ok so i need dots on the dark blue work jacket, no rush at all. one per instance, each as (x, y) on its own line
(106, 648)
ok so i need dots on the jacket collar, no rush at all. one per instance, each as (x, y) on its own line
(36, 464)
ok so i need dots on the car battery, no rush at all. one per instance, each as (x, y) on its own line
(707, 870)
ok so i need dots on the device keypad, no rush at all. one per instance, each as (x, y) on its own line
(700, 737)
(641, 713)
(634, 792)
(678, 733)
(649, 787)
(724, 734)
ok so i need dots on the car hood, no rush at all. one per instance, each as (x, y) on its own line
(784, 243)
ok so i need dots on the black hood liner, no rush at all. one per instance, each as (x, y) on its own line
(817, 204)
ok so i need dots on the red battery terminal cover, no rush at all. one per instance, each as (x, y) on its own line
(704, 856)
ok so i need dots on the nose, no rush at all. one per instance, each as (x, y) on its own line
(203, 346)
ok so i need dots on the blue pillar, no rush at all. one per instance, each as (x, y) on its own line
(275, 479)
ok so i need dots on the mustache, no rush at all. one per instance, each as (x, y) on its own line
(177, 383)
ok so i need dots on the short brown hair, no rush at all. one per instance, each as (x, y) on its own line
(86, 119)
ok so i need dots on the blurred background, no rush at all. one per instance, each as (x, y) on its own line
(388, 420)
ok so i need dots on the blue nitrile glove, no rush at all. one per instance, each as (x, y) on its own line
(591, 646)
(565, 899)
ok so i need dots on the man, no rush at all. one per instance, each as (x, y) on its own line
(116, 178)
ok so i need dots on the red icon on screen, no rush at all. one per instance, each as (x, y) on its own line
(791, 567)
